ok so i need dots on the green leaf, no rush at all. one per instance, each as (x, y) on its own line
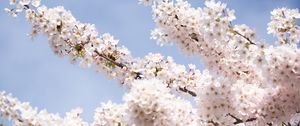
(231, 31)
(78, 47)
(247, 45)
(81, 53)
(157, 70)
(109, 64)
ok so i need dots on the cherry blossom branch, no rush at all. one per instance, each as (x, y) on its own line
(23, 114)
(231, 50)
(245, 77)
(138, 109)
(139, 75)
(110, 60)
(79, 41)
(247, 38)
(207, 32)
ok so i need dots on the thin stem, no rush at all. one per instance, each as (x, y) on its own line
(110, 60)
(237, 120)
(248, 39)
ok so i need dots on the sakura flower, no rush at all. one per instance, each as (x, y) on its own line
(36, 3)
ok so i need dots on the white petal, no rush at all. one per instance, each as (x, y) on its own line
(36, 3)
(25, 2)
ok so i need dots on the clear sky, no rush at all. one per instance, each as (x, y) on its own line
(30, 71)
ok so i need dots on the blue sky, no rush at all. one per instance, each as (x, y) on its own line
(30, 71)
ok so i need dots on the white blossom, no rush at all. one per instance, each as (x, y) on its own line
(246, 82)
(110, 114)
(284, 26)
(10, 12)
(151, 104)
(36, 3)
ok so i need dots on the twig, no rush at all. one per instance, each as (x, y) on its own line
(188, 91)
(248, 39)
(110, 60)
(237, 120)
(213, 122)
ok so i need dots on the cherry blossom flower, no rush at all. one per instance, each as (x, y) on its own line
(246, 81)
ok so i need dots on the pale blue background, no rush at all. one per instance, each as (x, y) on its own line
(30, 71)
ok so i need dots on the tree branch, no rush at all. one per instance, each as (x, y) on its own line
(110, 60)
(248, 39)
(138, 74)
(238, 121)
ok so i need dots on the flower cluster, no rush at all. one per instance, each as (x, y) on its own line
(21, 5)
(208, 33)
(281, 74)
(235, 60)
(148, 102)
(80, 42)
(246, 81)
(151, 104)
(110, 114)
(22, 114)
(283, 25)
